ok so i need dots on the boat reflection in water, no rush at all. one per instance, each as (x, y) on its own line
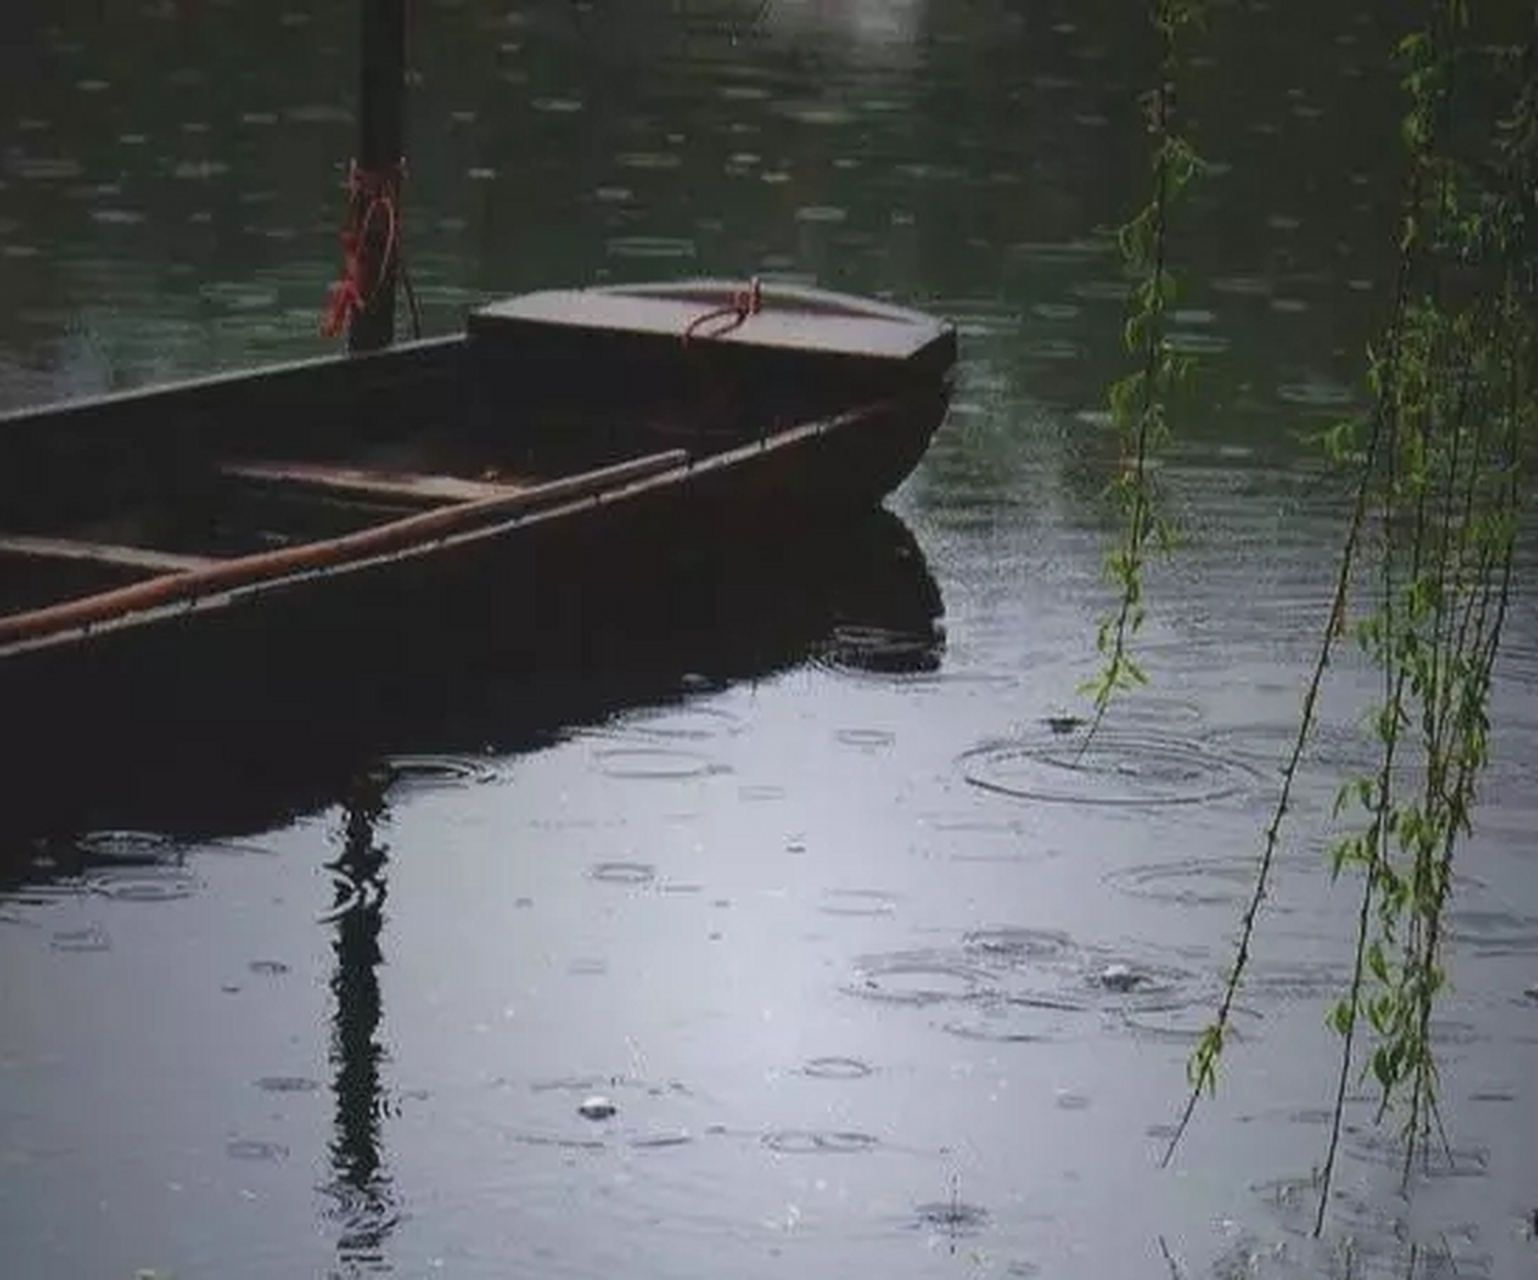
(363, 1207)
(641, 631)
(499, 670)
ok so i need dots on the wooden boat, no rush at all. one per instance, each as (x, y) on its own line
(329, 499)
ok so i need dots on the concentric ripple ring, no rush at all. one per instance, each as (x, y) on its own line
(1112, 768)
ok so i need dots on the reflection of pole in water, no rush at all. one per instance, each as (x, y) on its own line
(365, 1208)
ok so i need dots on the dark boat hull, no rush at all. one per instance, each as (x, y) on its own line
(800, 476)
(742, 446)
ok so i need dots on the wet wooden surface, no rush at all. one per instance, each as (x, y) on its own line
(104, 553)
(414, 487)
(801, 320)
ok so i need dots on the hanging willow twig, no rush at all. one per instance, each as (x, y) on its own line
(1450, 482)
(1452, 405)
(1138, 402)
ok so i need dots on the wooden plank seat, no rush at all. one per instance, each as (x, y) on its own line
(400, 486)
(146, 558)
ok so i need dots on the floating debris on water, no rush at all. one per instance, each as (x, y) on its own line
(596, 1107)
(1119, 977)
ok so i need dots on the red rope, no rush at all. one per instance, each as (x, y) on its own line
(745, 302)
(370, 196)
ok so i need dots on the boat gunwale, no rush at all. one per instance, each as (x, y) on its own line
(181, 388)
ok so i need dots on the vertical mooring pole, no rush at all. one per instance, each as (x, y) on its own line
(381, 142)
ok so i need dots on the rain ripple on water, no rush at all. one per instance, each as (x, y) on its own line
(88, 939)
(1112, 768)
(255, 1149)
(1493, 932)
(1010, 946)
(649, 762)
(691, 724)
(1316, 395)
(1015, 1020)
(819, 1142)
(885, 652)
(126, 848)
(867, 740)
(836, 1068)
(1382, 1146)
(1011, 984)
(1193, 882)
(633, 874)
(287, 1084)
(422, 772)
(143, 884)
(650, 247)
(951, 1217)
(858, 902)
(920, 977)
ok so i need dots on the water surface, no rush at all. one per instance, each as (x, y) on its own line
(878, 975)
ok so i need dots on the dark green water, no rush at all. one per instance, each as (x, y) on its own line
(811, 899)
